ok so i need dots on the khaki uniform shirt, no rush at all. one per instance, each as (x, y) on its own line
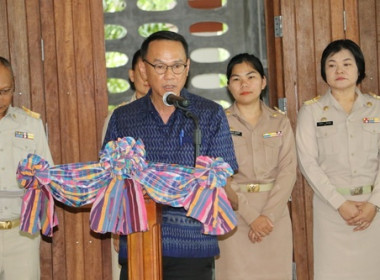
(21, 133)
(265, 153)
(340, 150)
(107, 120)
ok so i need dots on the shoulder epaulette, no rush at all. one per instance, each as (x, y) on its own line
(121, 104)
(278, 110)
(31, 113)
(312, 101)
(227, 112)
(374, 95)
(114, 107)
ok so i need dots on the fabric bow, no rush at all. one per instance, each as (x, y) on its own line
(208, 202)
(37, 211)
(199, 190)
(119, 207)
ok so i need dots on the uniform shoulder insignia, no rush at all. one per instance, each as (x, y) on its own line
(312, 101)
(121, 104)
(114, 107)
(31, 113)
(228, 112)
(374, 95)
(278, 110)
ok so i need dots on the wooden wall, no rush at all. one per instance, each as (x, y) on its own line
(57, 52)
(308, 26)
(67, 85)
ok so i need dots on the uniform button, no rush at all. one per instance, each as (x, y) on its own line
(352, 154)
(3, 168)
(354, 171)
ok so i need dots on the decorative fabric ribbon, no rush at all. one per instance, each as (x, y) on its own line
(37, 210)
(115, 187)
(199, 190)
(119, 206)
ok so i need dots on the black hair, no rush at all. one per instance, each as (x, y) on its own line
(135, 59)
(352, 47)
(164, 35)
(245, 57)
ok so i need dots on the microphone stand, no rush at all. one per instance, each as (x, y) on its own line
(197, 135)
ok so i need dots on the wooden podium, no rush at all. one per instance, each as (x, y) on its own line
(144, 248)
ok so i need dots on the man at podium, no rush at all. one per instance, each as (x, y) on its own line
(167, 133)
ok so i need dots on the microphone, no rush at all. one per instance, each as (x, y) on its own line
(170, 99)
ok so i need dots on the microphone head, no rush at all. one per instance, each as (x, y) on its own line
(171, 99)
(165, 98)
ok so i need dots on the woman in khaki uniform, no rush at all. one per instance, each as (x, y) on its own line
(338, 141)
(261, 245)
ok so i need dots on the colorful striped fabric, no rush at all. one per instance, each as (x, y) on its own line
(199, 190)
(115, 186)
(37, 210)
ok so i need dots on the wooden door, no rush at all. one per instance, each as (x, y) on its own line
(57, 51)
(293, 59)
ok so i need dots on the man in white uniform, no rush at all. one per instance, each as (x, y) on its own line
(21, 132)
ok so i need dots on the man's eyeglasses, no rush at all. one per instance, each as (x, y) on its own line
(161, 68)
(6, 92)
